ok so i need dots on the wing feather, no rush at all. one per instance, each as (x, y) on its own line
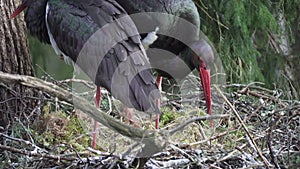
(124, 70)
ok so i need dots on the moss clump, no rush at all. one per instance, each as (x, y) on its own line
(168, 116)
(57, 127)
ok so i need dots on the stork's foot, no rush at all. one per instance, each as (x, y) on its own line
(129, 119)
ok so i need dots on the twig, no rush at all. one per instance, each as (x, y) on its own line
(35, 154)
(186, 155)
(214, 137)
(126, 153)
(210, 117)
(203, 134)
(86, 83)
(267, 164)
(22, 141)
(98, 152)
(251, 86)
(288, 108)
(69, 147)
(176, 163)
(252, 166)
(262, 96)
(269, 143)
(219, 23)
(246, 90)
(214, 166)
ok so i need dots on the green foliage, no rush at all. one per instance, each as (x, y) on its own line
(291, 10)
(248, 36)
(168, 116)
(232, 25)
(104, 103)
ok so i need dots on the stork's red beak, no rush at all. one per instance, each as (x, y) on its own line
(18, 10)
(205, 81)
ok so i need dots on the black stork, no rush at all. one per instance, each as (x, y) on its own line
(68, 24)
(176, 25)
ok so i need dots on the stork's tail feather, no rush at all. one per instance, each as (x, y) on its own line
(126, 73)
(144, 96)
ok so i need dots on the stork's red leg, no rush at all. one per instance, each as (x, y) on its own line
(158, 82)
(205, 81)
(97, 102)
(128, 111)
(128, 115)
(157, 121)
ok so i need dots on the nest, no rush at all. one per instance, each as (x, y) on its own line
(256, 115)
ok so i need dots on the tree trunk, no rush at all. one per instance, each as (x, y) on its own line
(293, 61)
(288, 77)
(14, 59)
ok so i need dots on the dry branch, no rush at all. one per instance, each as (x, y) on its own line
(211, 117)
(137, 134)
(36, 154)
(155, 140)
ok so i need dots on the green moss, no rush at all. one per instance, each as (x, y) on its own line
(57, 127)
(167, 116)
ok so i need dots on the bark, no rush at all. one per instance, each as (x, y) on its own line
(14, 59)
(289, 51)
(282, 66)
(293, 61)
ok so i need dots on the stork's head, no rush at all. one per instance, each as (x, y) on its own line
(202, 56)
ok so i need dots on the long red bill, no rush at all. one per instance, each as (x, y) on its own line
(18, 11)
(205, 81)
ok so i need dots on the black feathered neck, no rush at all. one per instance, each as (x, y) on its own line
(35, 19)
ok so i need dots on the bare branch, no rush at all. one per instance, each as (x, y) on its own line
(210, 117)
(137, 134)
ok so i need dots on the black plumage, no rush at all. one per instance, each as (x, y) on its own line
(180, 48)
(182, 39)
(102, 40)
